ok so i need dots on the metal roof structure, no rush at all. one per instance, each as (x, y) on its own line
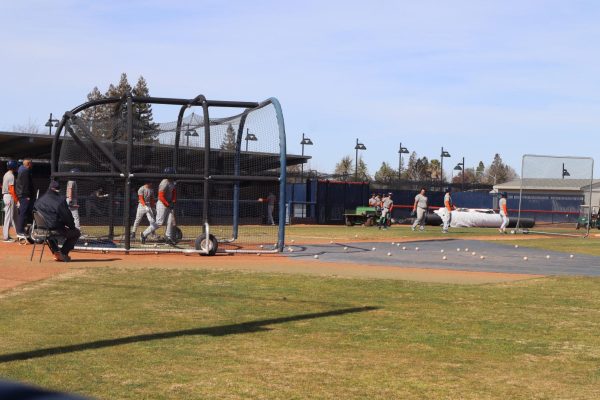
(17, 146)
(539, 184)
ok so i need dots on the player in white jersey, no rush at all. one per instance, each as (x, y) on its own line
(447, 210)
(167, 197)
(10, 199)
(503, 212)
(146, 202)
(420, 210)
(72, 195)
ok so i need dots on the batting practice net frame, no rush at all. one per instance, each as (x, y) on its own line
(547, 195)
(227, 195)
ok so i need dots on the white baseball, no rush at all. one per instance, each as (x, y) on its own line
(482, 257)
(516, 246)
(571, 256)
(444, 258)
(547, 256)
(316, 256)
(389, 254)
(416, 249)
(525, 258)
(442, 250)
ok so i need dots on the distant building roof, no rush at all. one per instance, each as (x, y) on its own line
(574, 185)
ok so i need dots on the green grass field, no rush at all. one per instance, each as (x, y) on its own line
(195, 334)
(158, 334)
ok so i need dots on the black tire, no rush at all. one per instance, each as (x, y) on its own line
(177, 234)
(202, 243)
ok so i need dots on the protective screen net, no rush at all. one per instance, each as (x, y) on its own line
(242, 214)
(554, 192)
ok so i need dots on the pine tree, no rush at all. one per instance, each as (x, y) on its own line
(479, 172)
(386, 174)
(142, 113)
(498, 172)
(411, 167)
(363, 172)
(230, 139)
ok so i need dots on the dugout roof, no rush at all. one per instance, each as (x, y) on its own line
(17, 146)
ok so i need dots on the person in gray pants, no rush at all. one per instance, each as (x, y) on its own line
(9, 197)
(420, 210)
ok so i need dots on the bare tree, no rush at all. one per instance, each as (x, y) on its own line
(29, 127)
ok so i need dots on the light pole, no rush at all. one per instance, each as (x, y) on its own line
(461, 167)
(443, 154)
(189, 133)
(51, 123)
(249, 137)
(401, 150)
(565, 172)
(359, 146)
(305, 142)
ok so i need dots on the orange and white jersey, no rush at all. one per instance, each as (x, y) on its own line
(502, 205)
(448, 202)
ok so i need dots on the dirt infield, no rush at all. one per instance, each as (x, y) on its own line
(16, 269)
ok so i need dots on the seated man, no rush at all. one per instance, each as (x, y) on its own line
(53, 208)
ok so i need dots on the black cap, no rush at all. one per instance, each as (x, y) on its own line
(54, 186)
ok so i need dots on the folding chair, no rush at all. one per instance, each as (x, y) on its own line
(40, 234)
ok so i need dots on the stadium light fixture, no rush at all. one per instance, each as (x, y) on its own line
(401, 150)
(188, 133)
(443, 154)
(359, 146)
(305, 142)
(565, 172)
(250, 137)
(52, 122)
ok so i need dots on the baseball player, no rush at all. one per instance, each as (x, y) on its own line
(420, 210)
(167, 197)
(386, 208)
(448, 207)
(146, 202)
(10, 199)
(373, 200)
(503, 212)
(270, 208)
(72, 195)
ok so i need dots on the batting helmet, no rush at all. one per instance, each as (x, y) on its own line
(75, 170)
(169, 170)
(448, 189)
(12, 164)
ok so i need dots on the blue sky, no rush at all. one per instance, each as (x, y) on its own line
(477, 77)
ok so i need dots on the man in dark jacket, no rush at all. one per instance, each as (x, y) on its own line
(53, 208)
(26, 195)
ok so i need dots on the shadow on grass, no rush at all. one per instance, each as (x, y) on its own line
(223, 330)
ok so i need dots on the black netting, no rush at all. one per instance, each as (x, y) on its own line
(241, 214)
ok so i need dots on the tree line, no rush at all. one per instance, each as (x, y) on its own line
(423, 169)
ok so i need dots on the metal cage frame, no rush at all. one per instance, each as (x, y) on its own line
(125, 171)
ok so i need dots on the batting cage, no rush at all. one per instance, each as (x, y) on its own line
(554, 192)
(214, 179)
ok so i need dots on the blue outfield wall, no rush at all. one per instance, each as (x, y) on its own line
(327, 201)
